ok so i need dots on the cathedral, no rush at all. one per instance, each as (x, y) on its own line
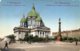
(32, 24)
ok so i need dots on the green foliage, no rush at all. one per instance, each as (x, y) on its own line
(12, 38)
(70, 39)
(30, 38)
(26, 38)
(64, 38)
(79, 38)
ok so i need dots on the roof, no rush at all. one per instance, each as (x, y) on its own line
(33, 12)
(38, 18)
(23, 20)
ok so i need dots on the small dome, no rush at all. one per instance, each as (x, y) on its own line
(38, 18)
(23, 20)
(32, 12)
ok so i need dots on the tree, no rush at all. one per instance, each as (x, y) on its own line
(12, 38)
(26, 38)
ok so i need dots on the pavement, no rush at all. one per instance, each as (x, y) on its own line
(50, 46)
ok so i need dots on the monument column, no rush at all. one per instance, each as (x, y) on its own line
(59, 37)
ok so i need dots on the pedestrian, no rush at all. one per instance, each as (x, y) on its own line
(76, 42)
(6, 45)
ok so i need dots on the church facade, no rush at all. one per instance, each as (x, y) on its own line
(31, 24)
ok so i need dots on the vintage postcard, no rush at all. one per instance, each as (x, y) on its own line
(39, 25)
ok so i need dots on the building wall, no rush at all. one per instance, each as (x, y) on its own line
(40, 33)
(19, 35)
(71, 33)
(22, 35)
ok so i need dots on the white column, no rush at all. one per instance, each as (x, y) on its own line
(17, 35)
(44, 34)
(39, 33)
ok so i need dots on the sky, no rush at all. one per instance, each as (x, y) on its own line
(11, 11)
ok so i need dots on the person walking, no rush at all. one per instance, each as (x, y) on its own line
(6, 45)
(76, 42)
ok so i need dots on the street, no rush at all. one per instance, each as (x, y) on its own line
(51, 46)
